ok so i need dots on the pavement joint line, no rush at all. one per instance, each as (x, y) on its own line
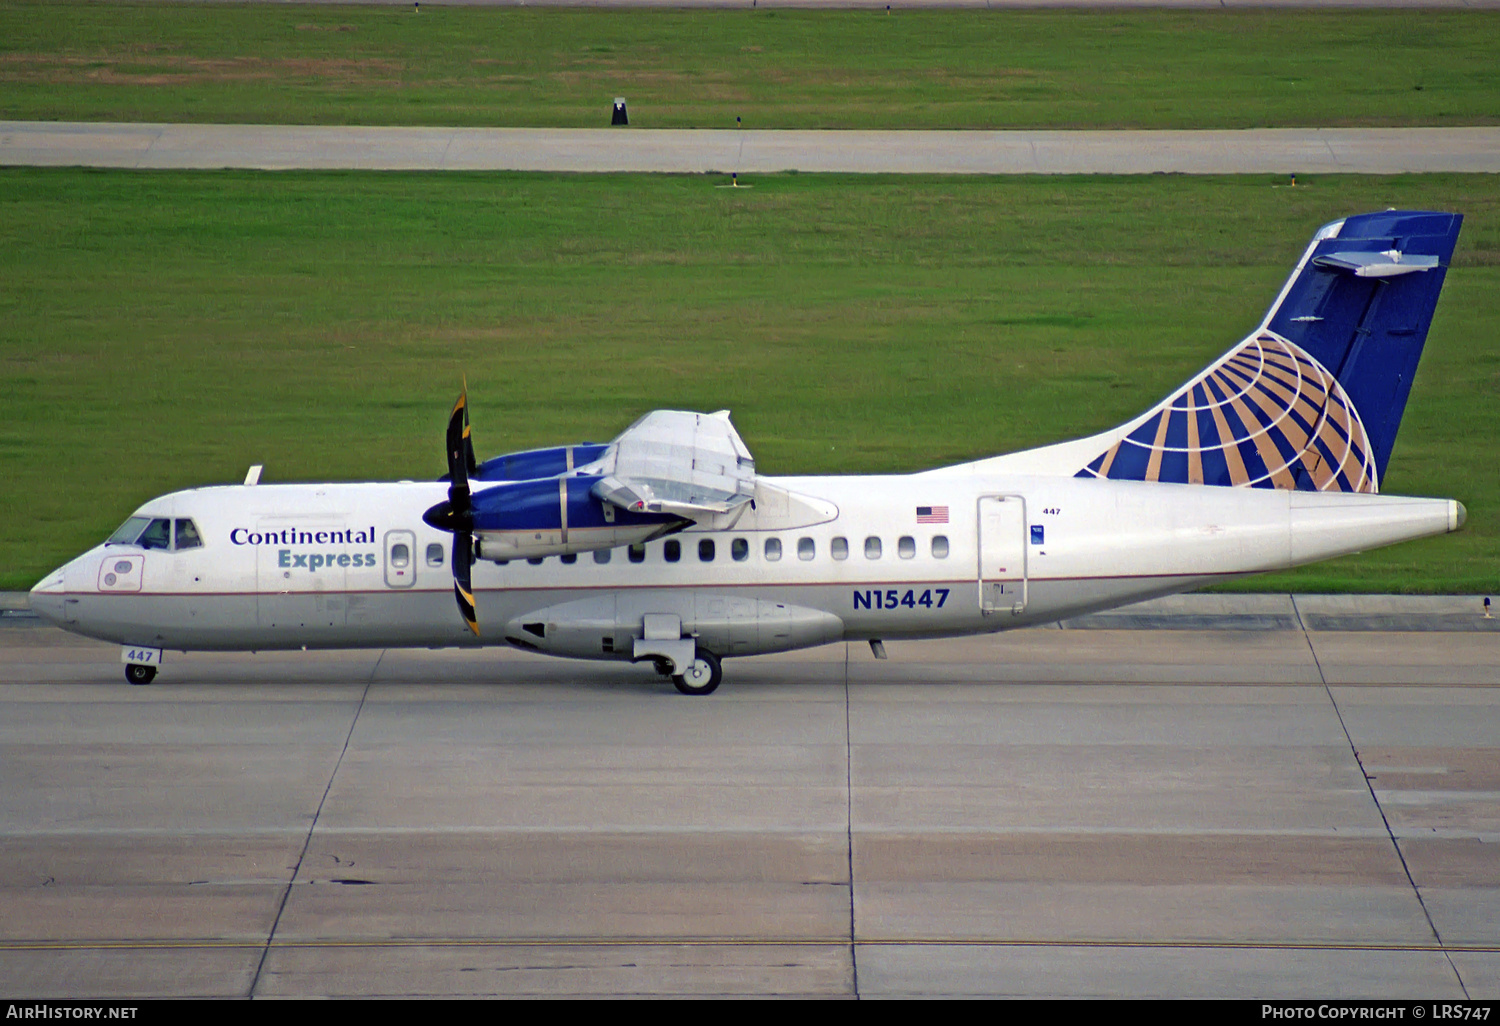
(1484, 837)
(146, 153)
(849, 827)
(311, 828)
(838, 941)
(1370, 786)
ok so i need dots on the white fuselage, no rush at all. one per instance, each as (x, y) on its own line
(291, 566)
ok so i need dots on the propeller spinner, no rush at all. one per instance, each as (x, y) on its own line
(456, 515)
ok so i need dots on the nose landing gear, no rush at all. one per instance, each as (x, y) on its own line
(135, 673)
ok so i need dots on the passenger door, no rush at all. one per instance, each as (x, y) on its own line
(1002, 554)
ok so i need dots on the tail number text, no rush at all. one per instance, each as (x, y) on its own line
(895, 598)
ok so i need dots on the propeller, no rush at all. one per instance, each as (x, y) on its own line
(457, 514)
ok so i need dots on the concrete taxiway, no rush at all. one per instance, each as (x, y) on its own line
(1249, 813)
(281, 147)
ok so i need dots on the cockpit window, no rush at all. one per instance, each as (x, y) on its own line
(157, 535)
(129, 531)
(187, 536)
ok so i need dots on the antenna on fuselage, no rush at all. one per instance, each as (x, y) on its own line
(253, 477)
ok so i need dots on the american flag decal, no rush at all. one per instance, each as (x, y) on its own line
(932, 514)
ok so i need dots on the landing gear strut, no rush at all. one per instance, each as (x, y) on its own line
(138, 674)
(702, 677)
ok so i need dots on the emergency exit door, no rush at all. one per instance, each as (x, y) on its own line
(1002, 554)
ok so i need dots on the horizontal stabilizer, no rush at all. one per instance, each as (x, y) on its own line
(1376, 265)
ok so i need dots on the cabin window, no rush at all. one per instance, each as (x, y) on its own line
(185, 536)
(637, 553)
(773, 549)
(672, 551)
(940, 546)
(839, 548)
(569, 557)
(706, 550)
(872, 548)
(906, 546)
(806, 549)
(739, 550)
(602, 555)
(157, 535)
(400, 555)
(434, 554)
(129, 531)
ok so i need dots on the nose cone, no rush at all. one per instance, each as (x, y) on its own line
(1457, 516)
(47, 597)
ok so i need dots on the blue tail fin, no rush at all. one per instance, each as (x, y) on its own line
(1313, 398)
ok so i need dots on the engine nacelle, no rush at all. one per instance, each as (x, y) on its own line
(725, 624)
(557, 516)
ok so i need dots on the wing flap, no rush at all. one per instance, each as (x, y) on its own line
(677, 461)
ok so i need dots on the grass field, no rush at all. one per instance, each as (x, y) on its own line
(776, 69)
(163, 329)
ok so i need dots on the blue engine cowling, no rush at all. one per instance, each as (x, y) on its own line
(556, 516)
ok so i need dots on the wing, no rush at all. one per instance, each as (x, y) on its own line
(693, 465)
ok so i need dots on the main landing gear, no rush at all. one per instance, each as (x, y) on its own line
(138, 674)
(702, 676)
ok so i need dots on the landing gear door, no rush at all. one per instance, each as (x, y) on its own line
(1002, 554)
(400, 559)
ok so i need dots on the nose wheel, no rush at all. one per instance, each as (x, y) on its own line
(702, 677)
(135, 673)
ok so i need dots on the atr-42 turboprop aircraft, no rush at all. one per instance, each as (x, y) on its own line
(666, 545)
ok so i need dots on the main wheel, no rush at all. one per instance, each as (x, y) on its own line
(702, 677)
(138, 674)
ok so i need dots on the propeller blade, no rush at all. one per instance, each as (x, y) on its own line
(457, 514)
(463, 588)
(470, 463)
(460, 453)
